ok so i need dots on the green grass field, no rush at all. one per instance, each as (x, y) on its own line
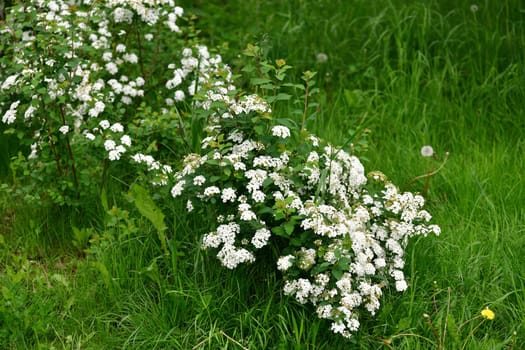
(414, 73)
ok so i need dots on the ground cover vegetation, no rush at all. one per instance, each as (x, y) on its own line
(135, 134)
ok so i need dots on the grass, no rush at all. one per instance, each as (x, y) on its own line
(414, 73)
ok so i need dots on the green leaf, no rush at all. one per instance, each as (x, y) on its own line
(452, 329)
(6, 293)
(320, 268)
(283, 97)
(60, 279)
(150, 210)
(296, 86)
(104, 200)
(104, 272)
(289, 227)
(263, 210)
(259, 129)
(404, 323)
(337, 274)
(279, 231)
(260, 81)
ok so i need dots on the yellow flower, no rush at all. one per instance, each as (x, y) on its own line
(488, 314)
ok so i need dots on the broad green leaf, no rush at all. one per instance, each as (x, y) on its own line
(147, 207)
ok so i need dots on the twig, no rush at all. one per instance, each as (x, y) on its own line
(427, 174)
(49, 286)
(434, 331)
(70, 152)
(305, 105)
(446, 317)
(233, 340)
(224, 335)
(412, 335)
(199, 344)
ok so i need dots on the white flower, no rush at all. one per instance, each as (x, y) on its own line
(248, 215)
(10, 115)
(117, 127)
(109, 145)
(34, 151)
(64, 129)
(9, 82)
(97, 109)
(260, 238)
(401, 285)
(104, 124)
(107, 56)
(179, 11)
(199, 180)
(121, 48)
(231, 257)
(212, 190)
(177, 189)
(281, 131)
(324, 311)
(112, 68)
(122, 15)
(53, 6)
(228, 195)
(114, 155)
(148, 36)
(140, 81)
(258, 196)
(427, 151)
(131, 58)
(125, 140)
(29, 112)
(179, 95)
(89, 136)
(284, 262)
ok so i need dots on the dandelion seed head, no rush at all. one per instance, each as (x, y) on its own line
(427, 151)
(321, 57)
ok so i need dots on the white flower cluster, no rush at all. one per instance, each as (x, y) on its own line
(201, 70)
(355, 237)
(100, 66)
(358, 237)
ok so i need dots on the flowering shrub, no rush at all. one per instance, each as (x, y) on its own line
(344, 234)
(80, 82)
(86, 84)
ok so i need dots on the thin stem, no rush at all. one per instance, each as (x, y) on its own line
(427, 174)
(104, 176)
(305, 106)
(233, 340)
(446, 316)
(412, 335)
(434, 330)
(467, 321)
(182, 129)
(141, 61)
(471, 333)
(70, 152)
(52, 145)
